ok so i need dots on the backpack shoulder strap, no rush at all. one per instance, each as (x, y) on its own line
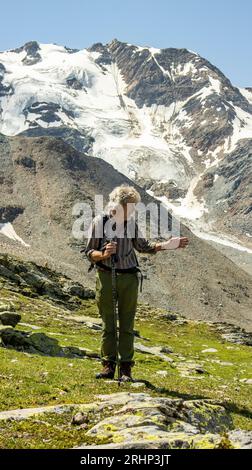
(105, 218)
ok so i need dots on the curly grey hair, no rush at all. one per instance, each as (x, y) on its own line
(122, 195)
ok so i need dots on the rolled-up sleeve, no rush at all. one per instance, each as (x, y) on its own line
(141, 244)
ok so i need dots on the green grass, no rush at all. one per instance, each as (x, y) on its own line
(30, 380)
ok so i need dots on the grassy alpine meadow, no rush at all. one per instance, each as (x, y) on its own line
(201, 364)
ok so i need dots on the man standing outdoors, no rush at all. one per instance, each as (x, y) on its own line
(99, 250)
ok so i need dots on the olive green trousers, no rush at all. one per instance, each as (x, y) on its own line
(127, 292)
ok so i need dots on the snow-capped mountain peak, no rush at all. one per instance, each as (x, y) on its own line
(166, 118)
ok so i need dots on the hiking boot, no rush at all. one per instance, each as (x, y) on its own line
(108, 370)
(125, 371)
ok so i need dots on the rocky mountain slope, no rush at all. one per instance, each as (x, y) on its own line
(167, 118)
(192, 380)
(43, 177)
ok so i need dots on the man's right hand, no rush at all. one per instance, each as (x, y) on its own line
(110, 249)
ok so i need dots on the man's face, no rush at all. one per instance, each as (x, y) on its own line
(124, 212)
(129, 210)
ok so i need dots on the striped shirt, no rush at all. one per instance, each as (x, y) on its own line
(130, 239)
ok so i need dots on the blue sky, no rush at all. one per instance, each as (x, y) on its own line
(219, 30)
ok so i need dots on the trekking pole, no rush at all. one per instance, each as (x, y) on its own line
(114, 302)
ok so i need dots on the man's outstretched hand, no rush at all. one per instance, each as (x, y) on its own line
(173, 243)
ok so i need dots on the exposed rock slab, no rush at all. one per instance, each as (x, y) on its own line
(233, 333)
(153, 350)
(140, 421)
(156, 422)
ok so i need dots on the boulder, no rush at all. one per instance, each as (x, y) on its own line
(9, 318)
(39, 343)
(75, 289)
(32, 342)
